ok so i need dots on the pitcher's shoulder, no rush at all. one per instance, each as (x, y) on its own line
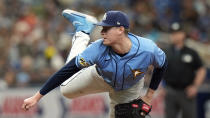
(147, 44)
(99, 44)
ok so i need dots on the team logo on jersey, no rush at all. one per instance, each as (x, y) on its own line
(83, 62)
(136, 73)
(187, 58)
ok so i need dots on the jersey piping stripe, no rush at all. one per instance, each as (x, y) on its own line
(129, 60)
(115, 70)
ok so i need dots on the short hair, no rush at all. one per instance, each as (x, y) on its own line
(126, 31)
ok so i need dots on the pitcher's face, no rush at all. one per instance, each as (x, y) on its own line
(110, 35)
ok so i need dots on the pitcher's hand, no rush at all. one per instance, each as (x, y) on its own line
(31, 101)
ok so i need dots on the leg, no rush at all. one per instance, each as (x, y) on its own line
(188, 106)
(86, 81)
(83, 25)
(171, 105)
(125, 96)
(79, 43)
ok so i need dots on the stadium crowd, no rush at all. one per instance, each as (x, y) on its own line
(35, 39)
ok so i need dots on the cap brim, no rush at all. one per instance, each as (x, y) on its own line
(103, 24)
(173, 31)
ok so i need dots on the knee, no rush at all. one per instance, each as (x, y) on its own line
(66, 93)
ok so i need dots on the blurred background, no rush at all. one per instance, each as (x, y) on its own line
(35, 40)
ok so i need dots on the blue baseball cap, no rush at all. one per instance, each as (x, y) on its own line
(114, 19)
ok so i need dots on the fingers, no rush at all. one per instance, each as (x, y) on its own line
(26, 106)
(28, 103)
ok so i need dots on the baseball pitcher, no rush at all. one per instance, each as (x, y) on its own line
(116, 63)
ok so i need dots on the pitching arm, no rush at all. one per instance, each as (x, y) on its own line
(59, 77)
(54, 81)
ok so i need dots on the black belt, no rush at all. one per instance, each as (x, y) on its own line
(98, 71)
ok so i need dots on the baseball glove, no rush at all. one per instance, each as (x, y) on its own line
(134, 109)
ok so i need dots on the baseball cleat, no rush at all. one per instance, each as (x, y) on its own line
(80, 21)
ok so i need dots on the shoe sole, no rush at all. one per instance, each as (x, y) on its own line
(88, 17)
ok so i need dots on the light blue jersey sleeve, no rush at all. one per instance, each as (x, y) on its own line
(90, 55)
(159, 57)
